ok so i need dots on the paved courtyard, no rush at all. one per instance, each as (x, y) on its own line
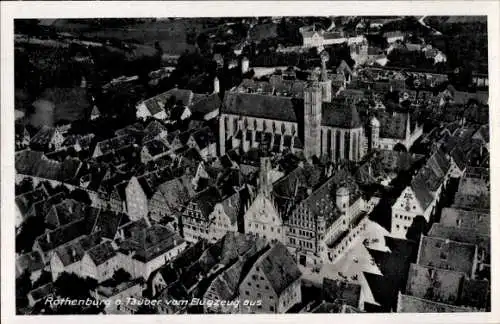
(355, 261)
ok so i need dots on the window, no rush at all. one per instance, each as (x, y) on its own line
(257, 285)
(267, 288)
(249, 284)
(247, 293)
(271, 308)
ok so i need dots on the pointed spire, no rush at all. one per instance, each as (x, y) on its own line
(265, 184)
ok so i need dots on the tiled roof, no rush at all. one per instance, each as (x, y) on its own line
(333, 35)
(267, 107)
(279, 267)
(234, 245)
(133, 129)
(62, 234)
(43, 136)
(203, 137)
(25, 201)
(175, 291)
(411, 304)
(151, 242)
(42, 207)
(101, 253)
(429, 178)
(291, 88)
(466, 219)
(254, 86)
(466, 235)
(386, 162)
(292, 188)
(37, 164)
(475, 293)
(153, 129)
(156, 147)
(472, 193)
(42, 291)
(227, 283)
(459, 157)
(341, 291)
(74, 251)
(65, 212)
(107, 223)
(111, 288)
(190, 255)
(176, 193)
(445, 254)
(434, 284)
(115, 143)
(340, 115)
(206, 105)
(129, 229)
(206, 201)
(156, 104)
(232, 207)
(393, 126)
(29, 262)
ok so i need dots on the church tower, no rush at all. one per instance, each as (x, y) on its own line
(265, 183)
(312, 119)
(374, 133)
(342, 200)
(216, 85)
(326, 84)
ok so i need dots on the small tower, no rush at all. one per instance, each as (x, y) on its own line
(342, 200)
(245, 65)
(83, 83)
(265, 183)
(312, 119)
(216, 85)
(375, 133)
(326, 84)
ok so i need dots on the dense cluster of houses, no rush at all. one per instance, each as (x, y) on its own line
(452, 270)
(233, 197)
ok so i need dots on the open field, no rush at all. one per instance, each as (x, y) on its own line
(171, 34)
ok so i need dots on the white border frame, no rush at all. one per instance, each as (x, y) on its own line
(102, 9)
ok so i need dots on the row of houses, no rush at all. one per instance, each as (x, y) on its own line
(452, 271)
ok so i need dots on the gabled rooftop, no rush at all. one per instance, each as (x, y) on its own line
(446, 254)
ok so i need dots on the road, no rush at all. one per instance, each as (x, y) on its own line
(422, 22)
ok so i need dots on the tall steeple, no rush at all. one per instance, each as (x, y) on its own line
(326, 84)
(312, 118)
(265, 182)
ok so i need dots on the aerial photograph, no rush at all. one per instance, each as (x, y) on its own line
(252, 165)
